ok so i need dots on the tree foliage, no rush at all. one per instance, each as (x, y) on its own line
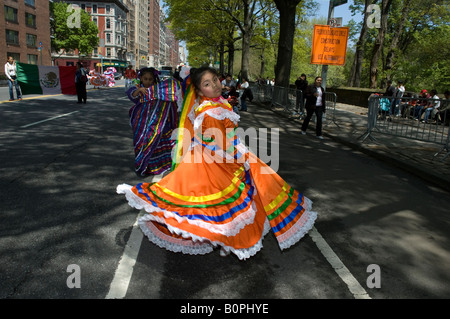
(83, 37)
(414, 48)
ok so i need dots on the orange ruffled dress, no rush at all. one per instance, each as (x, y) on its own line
(219, 194)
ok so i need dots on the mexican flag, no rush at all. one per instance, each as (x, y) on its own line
(39, 79)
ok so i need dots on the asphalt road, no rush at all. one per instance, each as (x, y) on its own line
(61, 163)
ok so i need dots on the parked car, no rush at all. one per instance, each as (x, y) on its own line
(117, 76)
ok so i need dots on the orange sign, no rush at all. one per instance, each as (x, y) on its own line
(329, 45)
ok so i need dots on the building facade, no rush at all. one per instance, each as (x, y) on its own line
(130, 32)
(111, 17)
(25, 31)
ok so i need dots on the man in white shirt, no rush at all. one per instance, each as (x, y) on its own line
(11, 74)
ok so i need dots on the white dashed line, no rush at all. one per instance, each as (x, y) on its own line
(353, 285)
(122, 277)
(50, 119)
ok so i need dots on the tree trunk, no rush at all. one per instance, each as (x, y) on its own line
(355, 73)
(247, 33)
(378, 47)
(221, 57)
(231, 50)
(391, 53)
(287, 10)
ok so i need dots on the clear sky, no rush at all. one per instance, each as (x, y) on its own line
(341, 11)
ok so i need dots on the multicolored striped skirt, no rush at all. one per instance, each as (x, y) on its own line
(152, 123)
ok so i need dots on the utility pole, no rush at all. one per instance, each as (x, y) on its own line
(325, 67)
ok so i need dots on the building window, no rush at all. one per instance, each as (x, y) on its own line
(108, 23)
(30, 2)
(108, 8)
(30, 20)
(31, 40)
(32, 58)
(94, 8)
(108, 38)
(108, 52)
(10, 14)
(12, 37)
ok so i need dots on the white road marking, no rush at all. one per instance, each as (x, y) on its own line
(119, 285)
(122, 277)
(50, 119)
(353, 285)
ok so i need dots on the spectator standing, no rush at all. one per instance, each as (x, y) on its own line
(11, 74)
(130, 75)
(301, 84)
(244, 94)
(315, 104)
(80, 83)
(398, 97)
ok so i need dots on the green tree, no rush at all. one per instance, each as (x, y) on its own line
(72, 29)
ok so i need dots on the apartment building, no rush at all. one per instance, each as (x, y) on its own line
(25, 31)
(154, 31)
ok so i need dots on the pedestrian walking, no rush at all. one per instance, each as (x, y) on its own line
(315, 104)
(80, 83)
(11, 74)
(219, 194)
(152, 119)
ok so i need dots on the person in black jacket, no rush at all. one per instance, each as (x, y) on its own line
(301, 84)
(80, 83)
(315, 103)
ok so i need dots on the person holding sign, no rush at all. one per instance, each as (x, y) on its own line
(315, 104)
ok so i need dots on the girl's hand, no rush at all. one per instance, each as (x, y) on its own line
(142, 91)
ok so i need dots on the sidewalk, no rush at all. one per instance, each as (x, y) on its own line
(413, 156)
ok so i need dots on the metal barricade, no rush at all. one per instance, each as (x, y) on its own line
(330, 106)
(292, 100)
(406, 118)
(261, 93)
(285, 98)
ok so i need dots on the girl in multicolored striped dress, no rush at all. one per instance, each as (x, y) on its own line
(153, 120)
(218, 194)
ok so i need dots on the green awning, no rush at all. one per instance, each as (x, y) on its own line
(116, 64)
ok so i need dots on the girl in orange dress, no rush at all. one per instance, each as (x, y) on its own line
(218, 194)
